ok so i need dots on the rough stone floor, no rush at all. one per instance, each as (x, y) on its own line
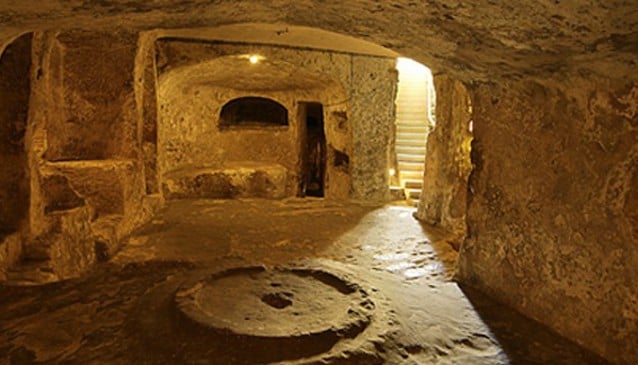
(123, 312)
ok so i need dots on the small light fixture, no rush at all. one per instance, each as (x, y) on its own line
(392, 172)
(470, 127)
(254, 59)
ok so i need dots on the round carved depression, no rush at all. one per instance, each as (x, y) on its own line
(305, 311)
(275, 303)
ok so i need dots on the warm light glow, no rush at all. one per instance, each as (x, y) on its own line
(415, 118)
(393, 172)
(412, 67)
(414, 78)
(471, 126)
(254, 59)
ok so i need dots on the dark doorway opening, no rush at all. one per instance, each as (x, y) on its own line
(313, 150)
(15, 90)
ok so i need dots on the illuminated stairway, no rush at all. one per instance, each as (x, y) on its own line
(412, 125)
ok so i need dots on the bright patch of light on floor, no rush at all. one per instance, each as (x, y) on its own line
(392, 257)
(416, 273)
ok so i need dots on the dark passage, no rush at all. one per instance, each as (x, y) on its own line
(314, 151)
(15, 64)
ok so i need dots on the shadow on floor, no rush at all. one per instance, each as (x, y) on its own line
(525, 341)
(444, 243)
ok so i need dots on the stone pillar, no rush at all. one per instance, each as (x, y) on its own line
(373, 88)
(447, 166)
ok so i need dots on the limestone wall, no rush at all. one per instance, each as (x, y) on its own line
(553, 209)
(444, 196)
(190, 135)
(93, 81)
(357, 92)
(86, 183)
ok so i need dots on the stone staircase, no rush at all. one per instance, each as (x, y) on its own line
(64, 250)
(35, 266)
(412, 128)
(410, 149)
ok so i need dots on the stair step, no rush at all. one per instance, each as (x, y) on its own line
(402, 134)
(415, 124)
(28, 273)
(413, 149)
(411, 166)
(410, 128)
(410, 143)
(412, 118)
(397, 193)
(413, 184)
(37, 250)
(411, 158)
(411, 136)
(413, 193)
(411, 175)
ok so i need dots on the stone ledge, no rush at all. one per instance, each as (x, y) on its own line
(234, 180)
(103, 184)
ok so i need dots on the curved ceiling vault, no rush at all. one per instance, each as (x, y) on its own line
(236, 72)
(281, 35)
(472, 40)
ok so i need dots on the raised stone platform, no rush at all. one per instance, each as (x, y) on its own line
(238, 179)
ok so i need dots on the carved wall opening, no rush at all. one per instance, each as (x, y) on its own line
(313, 153)
(15, 65)
(253, 112)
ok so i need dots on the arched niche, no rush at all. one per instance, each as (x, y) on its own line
(253, 111)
